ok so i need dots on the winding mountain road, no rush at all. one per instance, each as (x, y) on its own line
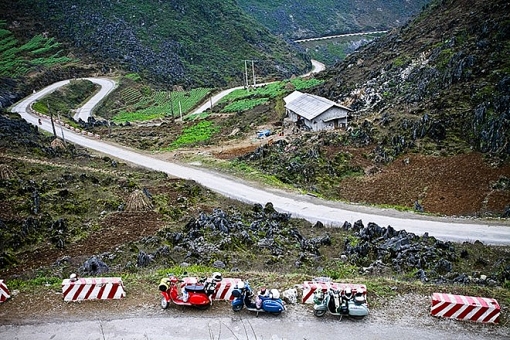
(317, 67)
(304, 206)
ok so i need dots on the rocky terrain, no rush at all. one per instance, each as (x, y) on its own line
(302, 19)
(186, 43)
(430, 135)
(439, 84)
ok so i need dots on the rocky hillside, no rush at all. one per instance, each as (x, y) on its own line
(439, 84)
(430, 129)
(64, 210)
(298, 19)
(189, 43)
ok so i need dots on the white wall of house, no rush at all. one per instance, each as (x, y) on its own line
(318, 124)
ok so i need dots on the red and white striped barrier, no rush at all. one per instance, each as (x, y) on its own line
(103, 288)
(468, 308)
(309, 288)
(224, 288)
(4, 292)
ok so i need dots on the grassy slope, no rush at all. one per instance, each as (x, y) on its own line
(178, 42)
(299, 18)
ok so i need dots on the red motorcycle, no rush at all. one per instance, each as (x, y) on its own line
(197, 295)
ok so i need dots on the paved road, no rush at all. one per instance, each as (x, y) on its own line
(317, 67)
(230, 328)
(107, 86)
(339, 36)
(307, 207)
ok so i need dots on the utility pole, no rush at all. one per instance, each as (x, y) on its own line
(246, 74)
(171, 104)
(246, 84)
(253, 72)
(61, 128)
(51, 118)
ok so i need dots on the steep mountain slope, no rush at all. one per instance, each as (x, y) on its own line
(440, 83)
(190, 43)
(431, 122)
(300, 18)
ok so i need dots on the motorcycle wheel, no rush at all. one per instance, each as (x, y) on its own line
(237, 308)
(203, 307)
(319, 313)
(164, 303)
(276, 313)
(357, 317)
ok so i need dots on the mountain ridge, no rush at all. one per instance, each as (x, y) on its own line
(444, 74)
(299, 19)
(186, 43)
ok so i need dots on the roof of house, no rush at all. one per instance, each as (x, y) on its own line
(308, 105)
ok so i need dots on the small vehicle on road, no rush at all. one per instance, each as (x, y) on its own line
(266, 301)
(341, 303)
(196, 295)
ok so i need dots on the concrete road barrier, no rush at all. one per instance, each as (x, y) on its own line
(102, 288)
(468, 308)
(4, 291)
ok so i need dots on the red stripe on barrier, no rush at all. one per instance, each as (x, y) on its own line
(465, 313)
(478, 314)
(492, 315)
(68, 289)
(78, 291)
(113, 291)
(454, 309)
(101, 291)
(225, 291)
(439, 307)
(91, 289)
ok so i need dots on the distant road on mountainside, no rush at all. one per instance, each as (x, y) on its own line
(339, 36)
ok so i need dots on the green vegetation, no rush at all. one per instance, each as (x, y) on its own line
(66, 99)
(272, 90)
(17, 59)
(334, 50)
(191, 43)
(48, 281)
(329, 17)
(401, 61)
(244, 104)
(199, 133)
(148, 105)
(193, 270)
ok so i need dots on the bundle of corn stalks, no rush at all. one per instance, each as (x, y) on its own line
(6, 172)
(138, 201)
(57, 144)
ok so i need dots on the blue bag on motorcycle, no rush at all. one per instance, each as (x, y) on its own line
(271, 305)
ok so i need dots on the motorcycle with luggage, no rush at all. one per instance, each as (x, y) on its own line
(197, 295)
(266, 301)
(340, 303)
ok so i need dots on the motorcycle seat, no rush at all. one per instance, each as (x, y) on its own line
(194, 288)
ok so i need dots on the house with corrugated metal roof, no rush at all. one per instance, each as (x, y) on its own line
(315, 113)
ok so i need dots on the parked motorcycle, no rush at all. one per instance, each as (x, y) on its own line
(197, 295)
(266, 301)
(343, 303)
